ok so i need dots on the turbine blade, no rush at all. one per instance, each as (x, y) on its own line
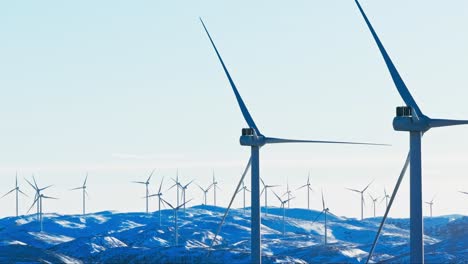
(160, 185)
(140, 182)
(35, 201)
(387, 210)
(262, 191)
(269, 140)
(173, 186)
(323, 201)
(263, 183)
(302, 187)
(47, 187)
(446, 122)
(180, 206)
(31, 184)
(277, 197)
(8, 193)
(399, 83)
(151, 175)
(85, 180)
(77, 188)
(354, 190)
(317, 216)
(463, 192)
(166, 202)
(245, 112)
(230, 203)
(368, 186)
(22, 193)
(49, 197)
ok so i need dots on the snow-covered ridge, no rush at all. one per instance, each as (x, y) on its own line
(136, 237)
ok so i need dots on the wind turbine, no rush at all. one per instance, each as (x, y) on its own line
(243, 189)
(36, 195)
(386, 197)
(146, 183)
(307, 185)
(288, 192)
(175, 209)
(205, 191)
(17, 190)
(265, 189)
(253, 138)
(374, 200)
(284, 209)
(409, 119)
(178, 185)
(324, 211)
(362, 198)
(215, 185)
(84, 193)
(159, 195)
(38, 202)
(184, 188)
(431, 203)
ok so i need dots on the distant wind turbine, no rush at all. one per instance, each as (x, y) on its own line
(409, 118)
(243, 189)
(184, 189)
(205, 191)
(38, 201)
(431, 203)
(307, 185)
(288, 192)
(146, 183)
(17, 190)
(362, 198)
(36, 195)
(83, 187)
(253, 138)
(265, 189)
(159, 195)
(175, 209)
(324, 211)
(386, 197)
(283, 202)
(374, 200)
(215, 186)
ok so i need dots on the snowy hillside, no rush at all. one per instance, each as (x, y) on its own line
(137, 237)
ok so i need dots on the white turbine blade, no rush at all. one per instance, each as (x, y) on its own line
(47, 187)
(263, 183)
(318, 216)
(269, 140)
(34, 187)
(367, 186)
(160, 185)
(35, 201)
(277, 196)
(187, 185)
(8, 193)
(323, 201)
(384, 218)
(85, 180)
(77, 188)
(305, 185)
(166, 202)
(262, 191)
(139, 182)
(173, 186)
(180, 206)
(463, 192)
(22, 193)
(230, 203)
(288, 200)
(49, 197)
(354, 190)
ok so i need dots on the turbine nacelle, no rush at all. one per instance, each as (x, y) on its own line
(405, 120)
(250, 138)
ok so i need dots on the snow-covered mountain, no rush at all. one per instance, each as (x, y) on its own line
(109, 237)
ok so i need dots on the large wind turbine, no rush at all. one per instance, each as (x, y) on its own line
(431, 203)
(386, 197)
(283, 202)
(176, 229)
(38, 201)
(362, 198)
(265, 189)
(253, 138)
(409, 119)
(205, 191)
(36, 195)
(324, 211)
(288, 192)
(184, 189)
(17, 190)
(178, 185)
(159, 195)
(374, 200)
(83, 187)
(146, 183)
(307, 185)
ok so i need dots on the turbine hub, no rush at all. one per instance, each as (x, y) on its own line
(250, 138)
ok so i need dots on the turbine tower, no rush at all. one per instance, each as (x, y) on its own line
(410, 119)
(205, 191)
(38, 202)
(83, 187)
(243, 189)
(284, 209)
(178, 185)
(159, 195)
(362, 198)
(36, 195)
(288, 192)
(146, 183)
(386, 197)
(253, 138)
(16, 190)
(176, 229)
(265, 189)
(307, 185)
(184, 188)
(374, 200)
(324, 211)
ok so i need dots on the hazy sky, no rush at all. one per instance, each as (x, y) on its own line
(117, 88)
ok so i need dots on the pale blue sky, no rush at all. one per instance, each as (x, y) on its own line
(117, 88)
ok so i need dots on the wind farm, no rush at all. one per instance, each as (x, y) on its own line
(234, 132)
